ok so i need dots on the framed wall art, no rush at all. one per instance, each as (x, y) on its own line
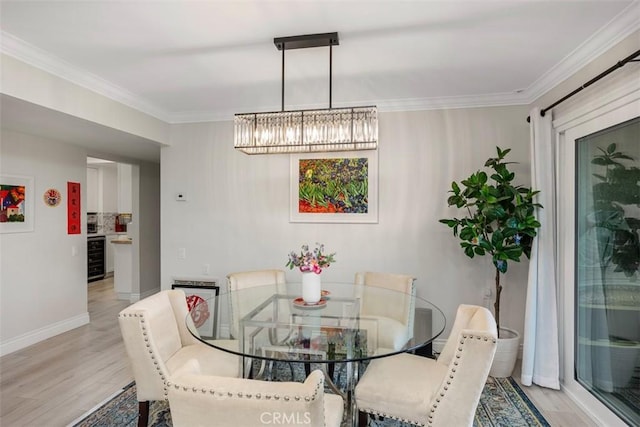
(16, 203)
(334, 187)
(202, 302)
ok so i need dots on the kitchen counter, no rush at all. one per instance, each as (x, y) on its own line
(120, 241)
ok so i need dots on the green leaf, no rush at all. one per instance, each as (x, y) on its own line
(478, 250)
(467, 233)
(482, 178)
(484, 244)
(513, 222)
(455, 200)
(469, 251)
(611, 148)
(497, 238)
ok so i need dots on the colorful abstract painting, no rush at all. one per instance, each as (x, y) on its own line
(334, 188)
(12, 200)
(16, 203)
(338, 185)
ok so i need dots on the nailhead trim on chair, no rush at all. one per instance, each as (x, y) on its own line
(143, 327)
(458, 356)
(257, 396)
(434, 406)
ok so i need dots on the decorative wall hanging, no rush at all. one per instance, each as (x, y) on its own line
(52, 197)
(338, 188)
(73, 208)
(16, 203)
(303, 131)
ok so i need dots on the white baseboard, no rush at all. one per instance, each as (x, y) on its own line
(42, 334)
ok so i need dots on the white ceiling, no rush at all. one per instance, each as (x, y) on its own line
(187, 61)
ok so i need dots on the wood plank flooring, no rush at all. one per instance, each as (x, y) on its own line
(57, 380)
(54, 382)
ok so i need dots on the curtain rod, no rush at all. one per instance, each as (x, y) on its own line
(608, 71)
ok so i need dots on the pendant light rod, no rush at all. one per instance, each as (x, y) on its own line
(282, 79)
(306, 41)
(330, 73)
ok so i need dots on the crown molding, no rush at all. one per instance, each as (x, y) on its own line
(39, 58)
(388, 105)
(620, 27)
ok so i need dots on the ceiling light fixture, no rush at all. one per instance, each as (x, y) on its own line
(303, 131)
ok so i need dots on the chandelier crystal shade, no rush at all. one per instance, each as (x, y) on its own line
(305, 131)
(337, 129)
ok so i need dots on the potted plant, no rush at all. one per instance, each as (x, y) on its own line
(499, 221)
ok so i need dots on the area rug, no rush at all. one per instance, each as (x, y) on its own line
(502, 404)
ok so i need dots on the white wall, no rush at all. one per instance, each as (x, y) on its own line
(236, 216)
(108, 188)
(43, 286)
(148, 219)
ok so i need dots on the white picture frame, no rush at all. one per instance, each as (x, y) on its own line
(345, 163)
(24, 206)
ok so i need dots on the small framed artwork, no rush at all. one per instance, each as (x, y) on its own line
(334, 187)
(16, 203)
(202, 303)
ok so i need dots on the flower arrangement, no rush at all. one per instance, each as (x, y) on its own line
(310, 261)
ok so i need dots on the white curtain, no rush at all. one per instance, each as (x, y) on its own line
(540, 356)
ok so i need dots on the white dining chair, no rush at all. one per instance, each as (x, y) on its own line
(390, 314)
(428, 392)
(258, 286)
(210, 401)
(159, 345)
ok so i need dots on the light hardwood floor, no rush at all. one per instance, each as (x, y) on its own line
(56, 381)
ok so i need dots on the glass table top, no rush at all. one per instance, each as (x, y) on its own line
(350, 323)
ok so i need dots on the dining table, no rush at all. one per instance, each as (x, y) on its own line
(268, 324)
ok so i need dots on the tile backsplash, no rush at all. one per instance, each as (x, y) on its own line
(107, 222)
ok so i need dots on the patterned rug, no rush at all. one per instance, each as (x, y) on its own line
(502, 404)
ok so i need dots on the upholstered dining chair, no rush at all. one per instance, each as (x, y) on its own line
(392, 314)
(198, 401)
(427, 392)
(159, 346)
(266, 283)
(263, 284)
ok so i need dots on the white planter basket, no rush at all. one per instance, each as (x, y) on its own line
(506, 353)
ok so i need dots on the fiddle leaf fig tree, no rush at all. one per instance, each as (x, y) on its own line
(498, 217)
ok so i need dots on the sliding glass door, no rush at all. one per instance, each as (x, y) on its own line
(607, 267)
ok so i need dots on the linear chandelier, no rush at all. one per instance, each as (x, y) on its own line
(304, 131)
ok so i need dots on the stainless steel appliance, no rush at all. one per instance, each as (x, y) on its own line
(92, 222)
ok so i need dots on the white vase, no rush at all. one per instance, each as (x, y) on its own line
(311, 287)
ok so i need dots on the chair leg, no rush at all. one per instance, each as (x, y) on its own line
(143, 414)
(363, 419)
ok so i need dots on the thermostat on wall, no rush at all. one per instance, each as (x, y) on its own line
(181, 197)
